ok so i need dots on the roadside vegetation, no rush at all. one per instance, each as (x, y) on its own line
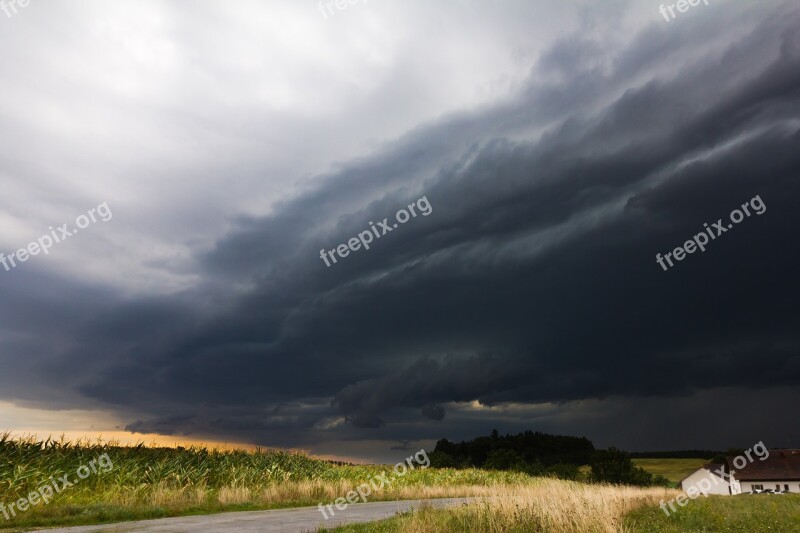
(549, 505)
(556, 506)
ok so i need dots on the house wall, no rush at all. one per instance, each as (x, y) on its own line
(747, 486)
(713, 484)
(736, 487)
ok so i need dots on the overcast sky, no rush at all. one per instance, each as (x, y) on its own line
(560, 146)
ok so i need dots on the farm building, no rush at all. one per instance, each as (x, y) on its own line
(778, 472)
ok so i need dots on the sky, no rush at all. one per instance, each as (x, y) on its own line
(211, 163)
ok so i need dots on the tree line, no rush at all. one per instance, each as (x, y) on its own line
(542, 454)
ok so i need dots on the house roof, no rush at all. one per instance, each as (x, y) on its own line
(711, 467)
(781, 465)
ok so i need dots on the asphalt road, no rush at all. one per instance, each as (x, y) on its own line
(299, 520)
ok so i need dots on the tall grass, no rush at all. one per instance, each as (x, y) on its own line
(547, 505)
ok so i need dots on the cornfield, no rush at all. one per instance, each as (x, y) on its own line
(150, 482)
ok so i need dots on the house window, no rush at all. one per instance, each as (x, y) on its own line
(777, 487)
(758, 487)
(786, 487)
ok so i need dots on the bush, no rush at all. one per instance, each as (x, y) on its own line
(564, 471)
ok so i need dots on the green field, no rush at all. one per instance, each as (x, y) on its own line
(672, 469)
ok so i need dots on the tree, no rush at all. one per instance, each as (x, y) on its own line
(563, 471)
(615, 466)
(442, 460)
(504, 459)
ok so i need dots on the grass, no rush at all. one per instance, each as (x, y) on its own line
(555, 506)
(745, 513)
(147, 482)
(548, 505)
(672, 469)
(159, 482)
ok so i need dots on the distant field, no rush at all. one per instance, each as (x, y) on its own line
(672, 469)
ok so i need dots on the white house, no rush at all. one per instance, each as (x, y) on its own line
(710, 479)
(779, 471)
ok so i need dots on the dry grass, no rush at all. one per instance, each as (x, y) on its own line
(328, 491)
(548, 506)
(302, 492)
(567, 507)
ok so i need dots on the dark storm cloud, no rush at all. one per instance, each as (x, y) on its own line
(533, 279)
(419, 384)
(434, 412)
(403, 446)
